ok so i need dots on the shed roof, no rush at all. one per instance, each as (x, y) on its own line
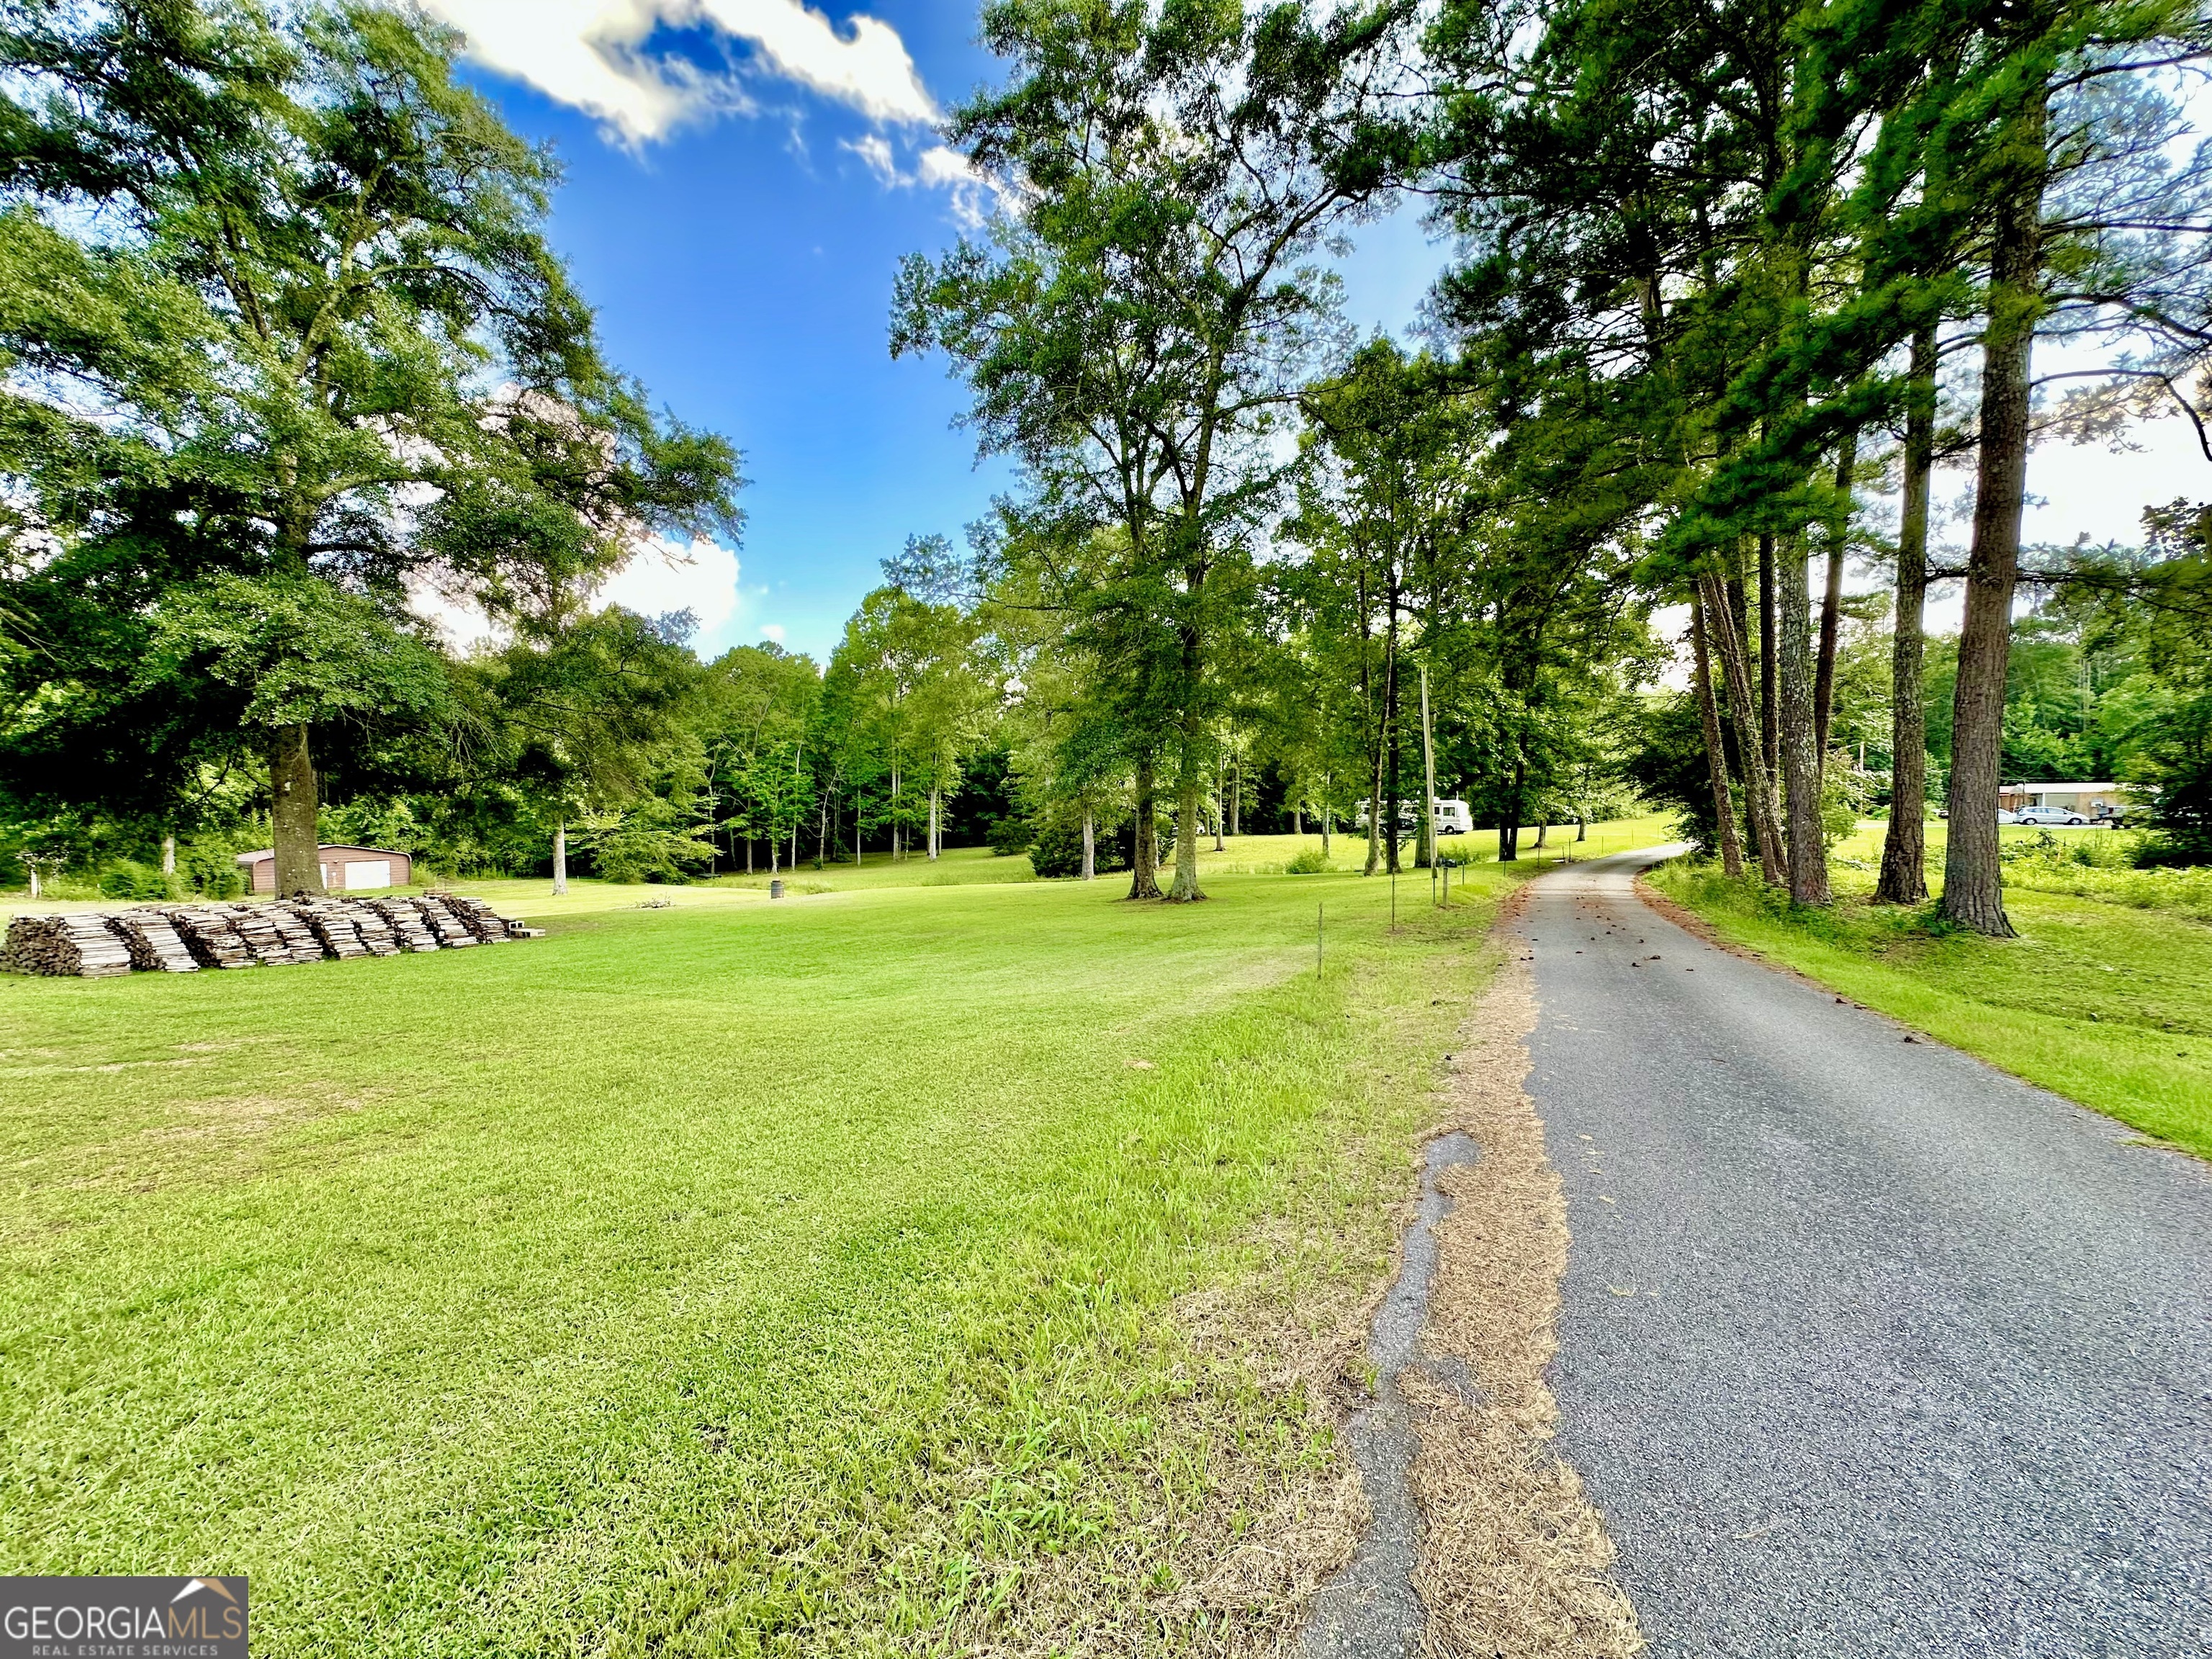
(327, 847)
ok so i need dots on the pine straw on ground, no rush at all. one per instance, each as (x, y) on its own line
(1515, 1560)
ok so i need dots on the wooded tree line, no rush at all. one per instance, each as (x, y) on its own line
(289, 352)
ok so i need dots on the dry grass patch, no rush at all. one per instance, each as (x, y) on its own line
(1514, 1560)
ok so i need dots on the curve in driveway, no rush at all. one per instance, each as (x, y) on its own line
(1866, 1348)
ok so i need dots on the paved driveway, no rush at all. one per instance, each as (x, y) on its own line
(1866, 1349)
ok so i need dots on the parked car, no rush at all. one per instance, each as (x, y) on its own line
(2004, 816)
(2049, 815)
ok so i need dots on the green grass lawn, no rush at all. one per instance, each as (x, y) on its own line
(887, 1269)
(2102, 999)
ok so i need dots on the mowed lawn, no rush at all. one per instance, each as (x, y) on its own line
(814, 1276)
(2103, 1001)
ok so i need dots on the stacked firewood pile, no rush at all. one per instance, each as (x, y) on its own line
(182, 939)
(152, 941)
(81, 946)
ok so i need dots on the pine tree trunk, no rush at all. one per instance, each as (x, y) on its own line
(1424, 855)
(1390, 724)
(1831, 597)
(1143, 853)
(1801, 761)
(1904, 878)
(1090, 846)
(1973, 889)
(293, 812)
(1759, 785)
(561, 859)
(1375, 807)
(1716, 752)
(1769, 726)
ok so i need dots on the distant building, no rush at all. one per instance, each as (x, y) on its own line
(2090, 799)
(345, 869)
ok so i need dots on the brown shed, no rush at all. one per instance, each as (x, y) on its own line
(344, 868)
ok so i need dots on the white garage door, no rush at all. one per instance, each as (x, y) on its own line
(366, 874)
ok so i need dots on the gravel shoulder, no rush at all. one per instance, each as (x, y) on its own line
(1864, 1348)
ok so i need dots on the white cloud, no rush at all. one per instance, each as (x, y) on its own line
(939, 167)
(873, 151)
(772, 631)
(591, 54)
(661, 577)
(870, 70)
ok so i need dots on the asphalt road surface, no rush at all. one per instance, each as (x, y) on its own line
(1866, 1348)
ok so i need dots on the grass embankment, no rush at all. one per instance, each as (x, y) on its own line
(2102, 998)
(880, 1271)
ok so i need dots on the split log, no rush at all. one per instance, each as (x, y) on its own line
(208, 933)
(333, 925)
(152, 942)
(452, 933)
(76, 947)
(407, 923)
(485, 924)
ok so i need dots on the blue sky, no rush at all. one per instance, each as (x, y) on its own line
(743, 177)
(741, 260)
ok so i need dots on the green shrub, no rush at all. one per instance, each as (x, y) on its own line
(1010, 835)
(132, 880)
(1307, 861)
(1058, 851)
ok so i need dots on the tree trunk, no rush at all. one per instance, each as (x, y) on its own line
(1769, 726)
(1190, 796)
(1904, 847)
(169, 858)
(1236, 796)
(932, 822)
(1426, 855)
(1375, 806)
(1715, 754)
(1220, 806)
(32, 865)
(1327, 826)
(1090, 846)
(1298, 822)
(561, 859)
(1801, 761)
(1144, 853)
(1973, 890)
(1831, 597)
(1509, 824)
(1390, 724)
(1759, 782)
(292, 814)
